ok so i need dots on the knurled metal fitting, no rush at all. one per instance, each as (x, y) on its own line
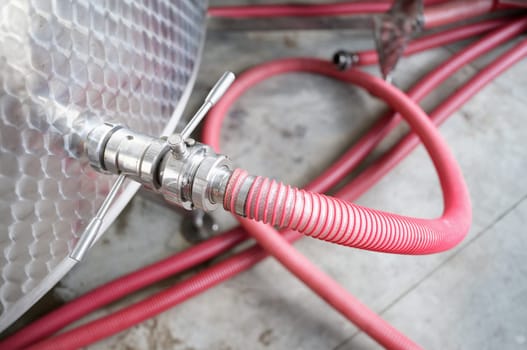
(195, 180)
(117, 150)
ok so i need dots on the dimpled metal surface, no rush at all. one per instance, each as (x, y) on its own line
(127, 61)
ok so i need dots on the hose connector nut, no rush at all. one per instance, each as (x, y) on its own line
(96, 142)
(344, 60)
(195, 179)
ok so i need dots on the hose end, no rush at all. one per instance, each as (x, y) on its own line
(344, 60)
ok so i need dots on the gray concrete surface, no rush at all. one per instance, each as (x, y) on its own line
(291, 127)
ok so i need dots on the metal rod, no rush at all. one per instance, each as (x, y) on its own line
(212, 98)
(90, 233)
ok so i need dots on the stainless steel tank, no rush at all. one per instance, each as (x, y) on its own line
(65, 65)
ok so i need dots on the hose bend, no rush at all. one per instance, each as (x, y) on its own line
(334, 220)
(345, 223)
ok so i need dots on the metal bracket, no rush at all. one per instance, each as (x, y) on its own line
(392, 31)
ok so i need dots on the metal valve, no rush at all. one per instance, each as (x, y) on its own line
(187, 173)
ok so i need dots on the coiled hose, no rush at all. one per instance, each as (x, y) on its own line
(345, 223)
(415, 235)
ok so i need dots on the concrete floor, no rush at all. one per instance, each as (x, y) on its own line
(473, 297)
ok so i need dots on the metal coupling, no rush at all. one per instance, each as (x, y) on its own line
(193, 176)
(187, 173)
(117, 150)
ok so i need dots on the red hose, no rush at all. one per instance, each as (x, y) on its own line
(437, 39)
(100, 328)
(115, 290)
(389, 122)
(348, 224)
(312, 10)
(321, 283)
(511, 4)
(388, 161)
(357, 226)
(455, 11)
(122, 287)
(438, 14)
(352, 157)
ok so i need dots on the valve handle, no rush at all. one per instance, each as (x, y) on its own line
(217, 91)
(90, 233)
